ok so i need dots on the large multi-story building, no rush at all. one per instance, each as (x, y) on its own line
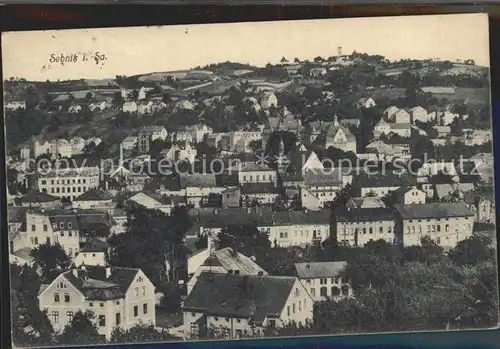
(294, 228)
(119, 297)
(68, 183)
(357, 226)
(445, 223)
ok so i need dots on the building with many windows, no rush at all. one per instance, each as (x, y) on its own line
(119, 297)
(323, 281)
(445, 223)
(357, 226)
(68, 183)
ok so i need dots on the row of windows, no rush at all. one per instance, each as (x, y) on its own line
(293, 309)
(34, 240)
(68, 181)
(370, 230)
(335, 291)
(67, 298)
(324, 281)
(55, 316)
(316, 234)
(69, 190)
(143, 291)
(257, 178)
(432, 228)
(438, 219)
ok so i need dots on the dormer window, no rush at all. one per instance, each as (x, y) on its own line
(70, 225)
(61, 225)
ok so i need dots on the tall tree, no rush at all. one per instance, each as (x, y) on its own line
(81, 331)
(51, 259)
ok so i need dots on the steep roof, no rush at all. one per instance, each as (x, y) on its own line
(95, 285)
(245, 296)
(230, 259)
(95, 194)
(434, 210)
(258, 188)
(319, 269)
(95, 245)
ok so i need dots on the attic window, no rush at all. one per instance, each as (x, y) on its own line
(61, 225)
(70, 225)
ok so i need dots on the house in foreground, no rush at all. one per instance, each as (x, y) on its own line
(236, 306)
(121, 297)
(323, 281)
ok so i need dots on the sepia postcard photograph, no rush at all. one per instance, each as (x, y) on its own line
(250, 180)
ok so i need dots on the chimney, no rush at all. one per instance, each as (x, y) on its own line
(108, 272)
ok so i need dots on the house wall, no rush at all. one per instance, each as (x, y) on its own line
(262, 198)
(93, 204)
(378, 191)
(298, 307)
(447, 232)
(68, 186)
(231, 199)
(349, 232)
(414, 196)
(69, 240)
(257, 177)
(299, 234)
(90, 258)
(329, 284)
(38, 230)
(57, 312)
(140, 292)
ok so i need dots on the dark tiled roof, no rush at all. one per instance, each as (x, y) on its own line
(94, 284)
(95, 194)
(301, 218)
(319, 269)
(254, 297)
(95, 245)
(218, 218)
(198, 180)
(434, 210)
(36, 196)
(367, 214)
(258, 188)
(383, 180)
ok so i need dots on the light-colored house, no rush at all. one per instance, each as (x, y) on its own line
(419, 114)
(263, 193)
(238, 305)
(400, 117)
(34, 198)
(68, 183)
(224, 261)
(268, 100)
(389, 112)
(366, 103)
(401, 129)
(119, 297)
(476, 137)
(129, 143)
(442, 131)
(129, 107)
(15, 105)
(382, 128)
(75, 108)
(380, 184)
(181, 152)
(153, 202)
(144, 107)
(356, 227)
(323, 281)
(338, 136)
(252, 172)
(445, 223)
(95, 252)
(94, 199)
(298, 228)
(409, 195)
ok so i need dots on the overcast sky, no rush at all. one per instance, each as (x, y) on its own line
(131, 51)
